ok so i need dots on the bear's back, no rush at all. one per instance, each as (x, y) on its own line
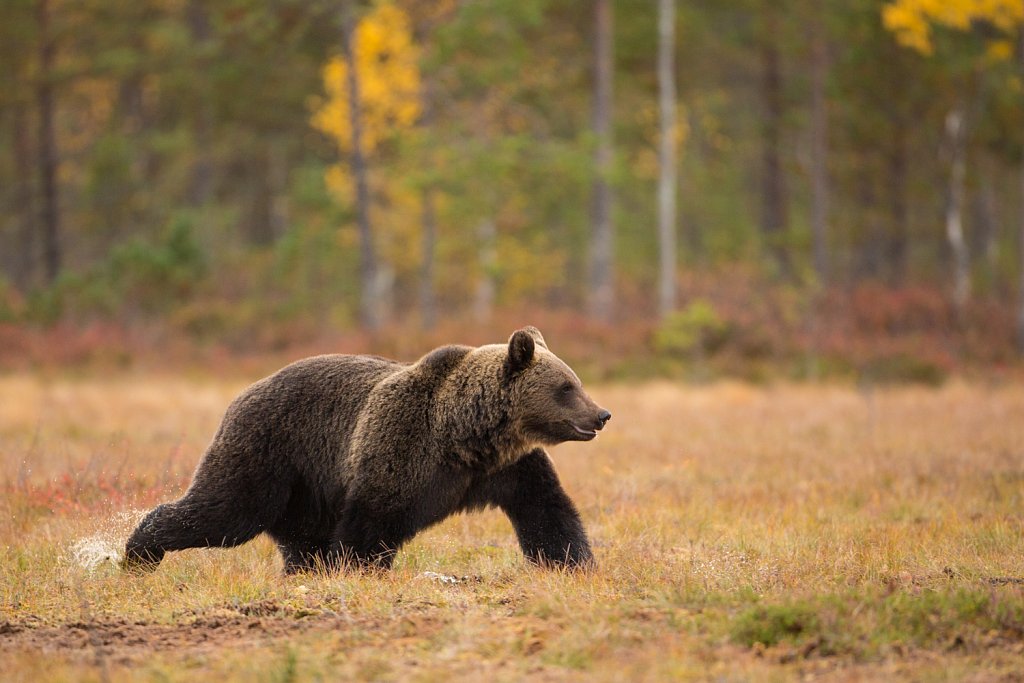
(306, 412)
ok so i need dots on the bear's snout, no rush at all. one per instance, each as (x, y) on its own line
(602, 418)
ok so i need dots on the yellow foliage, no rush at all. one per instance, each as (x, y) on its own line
(999, 50)
(387, 62)
(339, 184)
(911, 20)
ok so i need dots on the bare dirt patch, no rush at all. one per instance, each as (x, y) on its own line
(122, 640)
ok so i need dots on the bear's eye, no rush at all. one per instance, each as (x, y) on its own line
(567, 388)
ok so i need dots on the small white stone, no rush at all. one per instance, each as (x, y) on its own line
(441, 578)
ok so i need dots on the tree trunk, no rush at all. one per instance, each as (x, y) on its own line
(872, 232)
(267, 173)
(47, 147)
(369, 309)
(483, 301)
(428, 217)
(428, 302)
(200, 188)
(691, 233)
(819, 144)
(601, 294)
(956, 140)
(987, 221)
(278, 173)
(896, 242)
(1020, 264)
(259, 223)
(819, 177)
(667, 157)
(24, 267)
(1020, 229)
(774, 209)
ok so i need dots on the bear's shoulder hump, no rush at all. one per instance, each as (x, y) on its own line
(444, 359)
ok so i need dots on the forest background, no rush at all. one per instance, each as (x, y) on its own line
(753, 188)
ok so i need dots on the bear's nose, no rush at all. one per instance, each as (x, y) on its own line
(603, 417)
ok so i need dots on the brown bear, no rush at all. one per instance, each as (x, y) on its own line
(342, 459)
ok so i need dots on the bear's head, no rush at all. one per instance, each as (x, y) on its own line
(551, 406)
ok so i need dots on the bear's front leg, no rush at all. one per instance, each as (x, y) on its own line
(546, 522)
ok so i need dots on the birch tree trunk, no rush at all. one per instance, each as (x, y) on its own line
(956, 140)
(667, 157)
(369, 305)
(601, 296)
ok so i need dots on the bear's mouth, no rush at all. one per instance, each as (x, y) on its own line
(587, 434)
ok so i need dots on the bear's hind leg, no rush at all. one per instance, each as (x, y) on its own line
(307, 556)
(376, 521)
(369, 539)
(190, 523)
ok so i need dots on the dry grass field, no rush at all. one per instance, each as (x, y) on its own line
(743, 533)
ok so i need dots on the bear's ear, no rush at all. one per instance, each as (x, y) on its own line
(538, 338)
(521, 346)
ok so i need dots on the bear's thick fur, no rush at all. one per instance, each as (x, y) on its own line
(342, 459)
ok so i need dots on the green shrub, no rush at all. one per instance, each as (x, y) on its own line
(136, 278)
(696, 328)
(156, 276)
